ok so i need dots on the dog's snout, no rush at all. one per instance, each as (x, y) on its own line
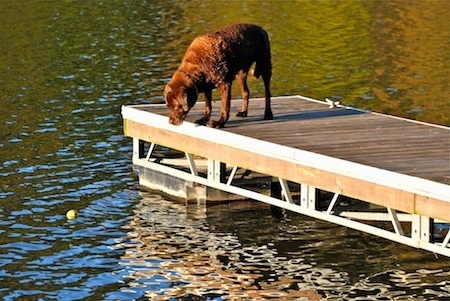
(175, 121)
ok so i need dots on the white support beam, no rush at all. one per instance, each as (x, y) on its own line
(425, 227)
(136, 142)
(214, 170)
(332, 203)
(420, 227)
(150, 151)
(395, 222)
(192, 165)
(285, 190)
(380, 216)
(232, 174)
(446, 239)
(308, 196)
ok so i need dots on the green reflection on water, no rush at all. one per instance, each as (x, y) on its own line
(387, 56)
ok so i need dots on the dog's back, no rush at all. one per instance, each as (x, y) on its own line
(221, 54)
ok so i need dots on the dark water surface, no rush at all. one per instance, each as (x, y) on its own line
(67, 67)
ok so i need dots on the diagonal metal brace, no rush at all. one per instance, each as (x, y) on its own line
(395, 222)
(332, 203)
(232, 174)
(150, 151)
(192, 165)
(285, 190)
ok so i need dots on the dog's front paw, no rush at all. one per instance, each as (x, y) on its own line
(202, 121)
(268, 115)
(242, 114)
(216, 124)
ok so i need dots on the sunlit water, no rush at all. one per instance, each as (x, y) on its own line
(67, 67)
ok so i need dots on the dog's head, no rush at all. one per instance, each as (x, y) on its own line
(180, 95)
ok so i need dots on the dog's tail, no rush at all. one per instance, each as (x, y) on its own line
(262, 66)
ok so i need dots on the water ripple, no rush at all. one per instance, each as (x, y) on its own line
(62, 147)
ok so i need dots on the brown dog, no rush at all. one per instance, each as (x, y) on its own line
(214, 61)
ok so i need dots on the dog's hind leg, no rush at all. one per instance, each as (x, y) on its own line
(242, 80)
(264, 68)
(208, 108)
(268, 111)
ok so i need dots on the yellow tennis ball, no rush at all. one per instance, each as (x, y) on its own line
(71, 214)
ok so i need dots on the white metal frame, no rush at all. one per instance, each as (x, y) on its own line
(420, 236)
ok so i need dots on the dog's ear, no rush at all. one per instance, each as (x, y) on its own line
(183, 101)
(167, 93)
(187, 98)
(192, 96)
(167, 89)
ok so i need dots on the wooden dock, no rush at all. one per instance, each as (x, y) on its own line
(397, 164)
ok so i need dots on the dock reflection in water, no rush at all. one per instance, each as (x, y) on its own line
(226, 252)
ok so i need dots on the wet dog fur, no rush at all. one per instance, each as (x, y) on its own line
(213, 61)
